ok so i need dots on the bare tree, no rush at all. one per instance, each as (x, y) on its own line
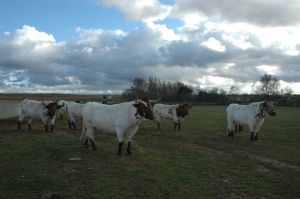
(269, 85)
(234, 90)
(286, 91)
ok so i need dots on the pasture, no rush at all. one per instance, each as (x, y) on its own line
(198, 162)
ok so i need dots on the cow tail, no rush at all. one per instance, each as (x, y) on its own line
(83, 134)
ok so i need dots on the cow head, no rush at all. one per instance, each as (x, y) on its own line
(269, 107)
(183, 109)
(144, 109)
(52, 108)
(63, 106)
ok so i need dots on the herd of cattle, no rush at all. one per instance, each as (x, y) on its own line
(125, 118)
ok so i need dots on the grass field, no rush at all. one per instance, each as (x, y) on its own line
(198, 162)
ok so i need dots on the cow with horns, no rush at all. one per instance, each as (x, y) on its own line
(252, 115)
(43, 110)
(123, 119)
(176, 112)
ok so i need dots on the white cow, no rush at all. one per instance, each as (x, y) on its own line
(74, 111)
(32, 109)
(123, 119)
(175, 112)
(252, 115)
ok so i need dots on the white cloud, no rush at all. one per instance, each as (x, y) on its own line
(30, 34)
(144, 10)
(268, 69)
(214, 44)
(192, 20)
(166, 33)
(211, 81)
(258, 12)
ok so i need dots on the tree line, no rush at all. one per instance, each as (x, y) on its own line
(154, 88)
(267, 88)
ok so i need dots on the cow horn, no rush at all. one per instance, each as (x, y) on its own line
(154, 101)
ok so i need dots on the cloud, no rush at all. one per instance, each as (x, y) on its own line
(208, 55)
(259, 12)
(141, 10)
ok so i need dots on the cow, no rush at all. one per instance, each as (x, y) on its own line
(252, 115)
(123, 119)
(74, 111)
(176, 112)
(32, 109)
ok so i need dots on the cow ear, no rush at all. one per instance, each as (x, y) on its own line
(265, 103)
(136, 105)
(59, 106)
(45, 105)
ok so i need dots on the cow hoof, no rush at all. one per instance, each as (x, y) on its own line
(95, 149)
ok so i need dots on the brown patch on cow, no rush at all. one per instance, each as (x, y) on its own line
(183, 109)
(276, 163)
(143, 110)
(52, 108)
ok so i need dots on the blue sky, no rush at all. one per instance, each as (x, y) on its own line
(100, 46)
(61, 18)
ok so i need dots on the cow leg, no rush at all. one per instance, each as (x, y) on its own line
(20, 120)
(240, 128)
(256, 136)
(70, 124)
(93, 144)
(19, 125)
(175, 126)
(120, 148)
(121, 137)
(46, 127)
(179, 126)
(74, 125)
(230, 133)
(52, 128)
(231, 128)
(129, 148)
(90, 137)
(158, 125)
(252, 136)
(86, 143)
(29, 123)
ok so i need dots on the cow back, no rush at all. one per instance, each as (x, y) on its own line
(109, 117)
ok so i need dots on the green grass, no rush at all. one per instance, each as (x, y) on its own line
(198, 162)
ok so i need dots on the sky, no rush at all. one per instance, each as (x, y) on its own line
(100, 46)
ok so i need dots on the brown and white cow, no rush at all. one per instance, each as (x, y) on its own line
(43, 110)
(176, 112)
(252, 115)
(123, 119)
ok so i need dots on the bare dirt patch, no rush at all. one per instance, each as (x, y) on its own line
(275, 163)
(71, 167)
